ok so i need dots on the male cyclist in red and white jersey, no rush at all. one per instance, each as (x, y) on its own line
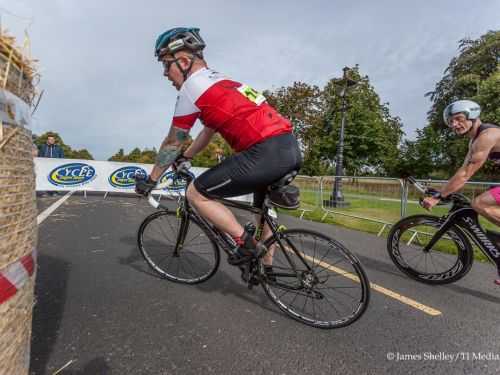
(266, 149)
(463, 117)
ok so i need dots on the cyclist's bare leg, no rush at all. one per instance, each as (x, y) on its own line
(215, 212)
(487, 206)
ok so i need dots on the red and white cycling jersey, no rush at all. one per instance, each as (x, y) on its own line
(239, 113)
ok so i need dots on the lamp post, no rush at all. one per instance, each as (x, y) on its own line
(337, 198)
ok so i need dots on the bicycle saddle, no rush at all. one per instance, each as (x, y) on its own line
(285, 180)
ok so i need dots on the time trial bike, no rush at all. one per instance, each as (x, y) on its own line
(438, 250)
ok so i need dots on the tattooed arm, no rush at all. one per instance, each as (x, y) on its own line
(169, 150)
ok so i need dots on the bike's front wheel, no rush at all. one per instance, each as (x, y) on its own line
(178, 249)
(316, 280)
(447, 261)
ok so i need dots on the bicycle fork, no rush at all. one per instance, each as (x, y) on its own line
(183, 229)
(450, 220)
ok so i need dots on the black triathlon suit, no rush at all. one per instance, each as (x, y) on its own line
(252, 170)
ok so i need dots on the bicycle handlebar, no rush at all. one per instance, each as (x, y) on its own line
(455, 197)
(180, 173)
(417, 185)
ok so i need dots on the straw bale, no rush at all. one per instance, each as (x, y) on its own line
(17, 197)
(18, 237)
(15, 327)
(20, 70)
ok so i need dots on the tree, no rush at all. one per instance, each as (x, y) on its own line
(302, 104)
(372, 135)
(473, 74)
(135, 156)
(148, 156)
(81, 154)
(215, 151)
(119, 156)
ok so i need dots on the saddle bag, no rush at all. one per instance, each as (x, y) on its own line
(287, 196)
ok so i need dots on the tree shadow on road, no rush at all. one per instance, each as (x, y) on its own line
(474, 293)
(370, 263)
(50, 295)
(221, 282)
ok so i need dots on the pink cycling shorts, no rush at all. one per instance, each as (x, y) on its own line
(495, 193)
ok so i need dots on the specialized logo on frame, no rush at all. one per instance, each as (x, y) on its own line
(123, 178)
(72, 174)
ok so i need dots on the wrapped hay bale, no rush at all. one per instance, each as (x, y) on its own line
(18, 226)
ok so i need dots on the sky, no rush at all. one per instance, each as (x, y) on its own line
(104, 90)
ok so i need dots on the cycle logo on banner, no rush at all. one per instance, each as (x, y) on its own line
(124, 177)
(177, 184)
(72, 174)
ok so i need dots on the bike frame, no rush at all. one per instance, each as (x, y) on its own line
(463, 216)
(224, 241)
(467, 220)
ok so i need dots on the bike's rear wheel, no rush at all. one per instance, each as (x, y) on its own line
(316, 280)
(193, 260)
(447, 261)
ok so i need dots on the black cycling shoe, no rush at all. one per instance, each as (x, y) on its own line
(244, 252)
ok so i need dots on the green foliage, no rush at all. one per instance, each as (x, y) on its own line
(135, 156)
(372, 135)
(216, 150)
(69, 153)
(476, 63)
(207, 158)
(473, 74)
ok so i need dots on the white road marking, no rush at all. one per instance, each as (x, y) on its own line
(45, 214)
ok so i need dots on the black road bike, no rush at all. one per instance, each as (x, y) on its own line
(438, 250)
(314, 279)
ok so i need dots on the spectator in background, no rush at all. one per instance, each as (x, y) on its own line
(50, 150)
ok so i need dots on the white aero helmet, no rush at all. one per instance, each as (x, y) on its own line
(470, 109)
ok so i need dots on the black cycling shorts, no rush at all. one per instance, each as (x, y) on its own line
(252, 170)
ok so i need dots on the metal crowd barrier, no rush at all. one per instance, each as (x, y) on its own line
(380, 200)
(366, 198)
(310, 193)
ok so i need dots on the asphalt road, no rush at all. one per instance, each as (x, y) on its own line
(100, 309)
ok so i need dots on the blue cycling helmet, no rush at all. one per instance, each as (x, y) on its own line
(470, 109)
(177, 39)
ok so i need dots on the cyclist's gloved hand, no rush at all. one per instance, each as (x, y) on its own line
(144, 186)
(182, 163)
(430, 201)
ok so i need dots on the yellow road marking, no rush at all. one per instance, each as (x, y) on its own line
(389, 293)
